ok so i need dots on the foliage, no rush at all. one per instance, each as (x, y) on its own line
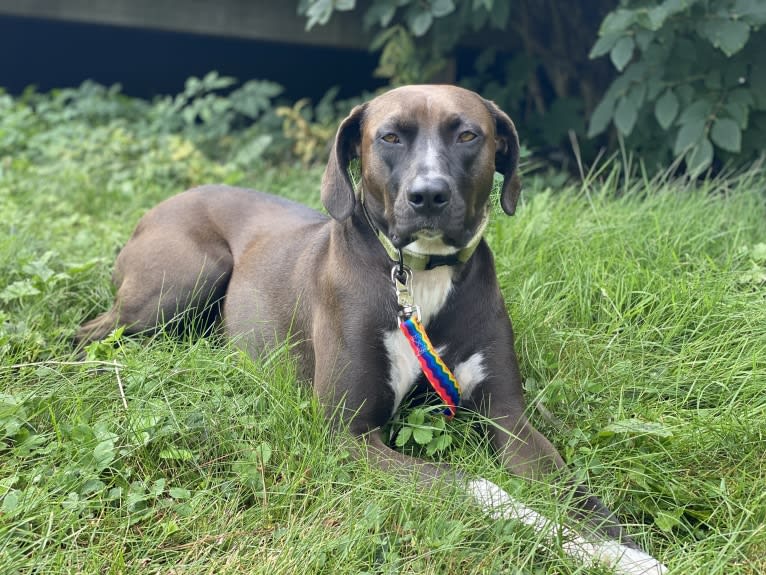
(202, 113)
(311, 129)
(310, 138)
(422, 429)
(692, 82)
(400, 23)
(689, 79)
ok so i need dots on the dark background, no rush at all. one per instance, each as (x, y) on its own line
(55, 54)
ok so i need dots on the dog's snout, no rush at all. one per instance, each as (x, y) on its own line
(429, 196)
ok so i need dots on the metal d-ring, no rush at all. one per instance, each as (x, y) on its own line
(401, 277)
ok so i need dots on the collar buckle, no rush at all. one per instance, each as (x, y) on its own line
(401, 277)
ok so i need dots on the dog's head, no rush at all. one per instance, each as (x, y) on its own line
(428, 156)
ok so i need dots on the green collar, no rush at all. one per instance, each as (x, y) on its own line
(419, 262)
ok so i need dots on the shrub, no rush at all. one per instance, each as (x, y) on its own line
(688, 82)
(692, 79)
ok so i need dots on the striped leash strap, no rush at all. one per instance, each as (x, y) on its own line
(436, 371)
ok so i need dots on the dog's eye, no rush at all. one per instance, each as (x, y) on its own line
(391, 139)
(466, 137)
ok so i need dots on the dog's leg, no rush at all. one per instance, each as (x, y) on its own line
(590, 550)
(162, 274)
(525, 452)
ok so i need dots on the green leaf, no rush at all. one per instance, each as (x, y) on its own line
(440, 8)
(617, 21)
(625, 116)
(726, 134)
(653, 90)
(71, 502)
(667, 521)
(644, 39)
(379, 14)
(17, 290)
(601, 116)
(440, 443)
(622, 52)
(728, 35)
(688, 136)
(666, 108)
(419, 21)
(104, 453)
(179, 493)
(10, 502)
(416, 417)
(637, 94)
(657, 16)
(604, 45)
(713, 79)
(403, 436)
(673, 7)
(752, 11)
(263, 452)
(758, 253)
(344, 5)
(698, 111)
(500, 13)
(8, 482)
(157, 487)
(700, 157)
(319, 12)
(422, 435)
(92, 486)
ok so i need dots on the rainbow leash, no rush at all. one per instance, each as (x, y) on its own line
(437, 373)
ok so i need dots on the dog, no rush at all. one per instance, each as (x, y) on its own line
(403, 246)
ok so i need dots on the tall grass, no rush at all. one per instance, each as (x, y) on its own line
(640, 312)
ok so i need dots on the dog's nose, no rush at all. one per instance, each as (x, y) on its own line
(429, 196)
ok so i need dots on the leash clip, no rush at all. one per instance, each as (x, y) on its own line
(401, 276)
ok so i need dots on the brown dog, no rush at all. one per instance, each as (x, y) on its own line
(273, 269)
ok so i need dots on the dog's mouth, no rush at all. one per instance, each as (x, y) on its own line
(432, 240)
(431, 246)
(428, 234)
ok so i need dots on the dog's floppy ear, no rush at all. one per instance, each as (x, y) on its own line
(337, 188)
(506, 158)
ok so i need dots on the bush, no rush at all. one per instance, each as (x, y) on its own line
(692, 82)
(688, 82)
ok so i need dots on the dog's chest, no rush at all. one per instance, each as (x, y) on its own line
(431, 289)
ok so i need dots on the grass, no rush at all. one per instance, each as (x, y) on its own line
(640, 313)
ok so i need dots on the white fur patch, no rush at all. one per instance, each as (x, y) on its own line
(624, 560)
(470, 373)
(431, 246)
(431, 159)
(430, 291)
(404, 365)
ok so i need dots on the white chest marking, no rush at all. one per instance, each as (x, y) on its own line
(404, 365)
(590, 550)
(470, 373)
(430, 290)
